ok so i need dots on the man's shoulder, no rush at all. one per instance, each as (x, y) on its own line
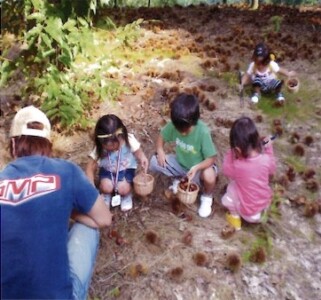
(29, 162)
(62, 161)
(63, 165)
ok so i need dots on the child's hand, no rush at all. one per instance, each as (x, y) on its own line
(140, 155)
(191, 173)
(291, 74)
(266, 140)
(161, 158)
(144, 163)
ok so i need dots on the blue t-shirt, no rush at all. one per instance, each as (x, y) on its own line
(37, 195)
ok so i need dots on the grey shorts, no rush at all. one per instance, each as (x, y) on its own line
(267, 86)
(173, 168)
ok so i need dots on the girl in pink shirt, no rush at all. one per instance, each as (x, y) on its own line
(248, 165)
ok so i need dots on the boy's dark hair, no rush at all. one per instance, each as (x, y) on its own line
(262, 51)
(185, 111)
(109, 128)
(244, 135)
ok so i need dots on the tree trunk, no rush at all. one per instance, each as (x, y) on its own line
(254, 4)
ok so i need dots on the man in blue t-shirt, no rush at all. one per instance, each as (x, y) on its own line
(41, 258)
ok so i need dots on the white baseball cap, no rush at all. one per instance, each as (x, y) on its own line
(27, 115)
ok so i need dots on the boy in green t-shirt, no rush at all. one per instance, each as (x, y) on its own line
(195, 151)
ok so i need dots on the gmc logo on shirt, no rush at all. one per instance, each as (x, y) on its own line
(17, 191)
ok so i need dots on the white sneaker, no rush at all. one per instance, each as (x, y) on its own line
(174, 186)
(206, 206)
(280, 97)
(126, 202)
(255, 98)
(107, 199)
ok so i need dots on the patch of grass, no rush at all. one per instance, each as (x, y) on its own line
(192, 65)
(231, 78)
(311, 195)
(212, 73)
(303, 101)
(282, 147)
(244, 239)
(276, 21)
(297, 164)
(297, 106)
(115, 292)
(260, 248)
(267, 105)
(273, 211)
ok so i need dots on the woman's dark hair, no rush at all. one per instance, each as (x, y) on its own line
(27, 145)
(245, 136)
(185, 111)
(109, 128)
(263, 52)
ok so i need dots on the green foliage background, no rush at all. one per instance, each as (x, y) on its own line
(55, 37)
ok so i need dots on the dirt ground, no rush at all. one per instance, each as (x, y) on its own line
(163, 249)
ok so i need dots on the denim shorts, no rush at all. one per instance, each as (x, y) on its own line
(127, 175)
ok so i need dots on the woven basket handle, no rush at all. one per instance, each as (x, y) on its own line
(188, 185)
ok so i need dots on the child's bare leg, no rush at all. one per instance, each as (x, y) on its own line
(209, 180)
(124, 188)
(257, 89)
(257, 85)
(246, 80)
(106, 186)
(228, 202)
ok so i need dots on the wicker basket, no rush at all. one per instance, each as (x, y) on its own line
(188, 197)
(143, 184)
(293, 85)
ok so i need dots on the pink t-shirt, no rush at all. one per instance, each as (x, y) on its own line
(250, 179)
